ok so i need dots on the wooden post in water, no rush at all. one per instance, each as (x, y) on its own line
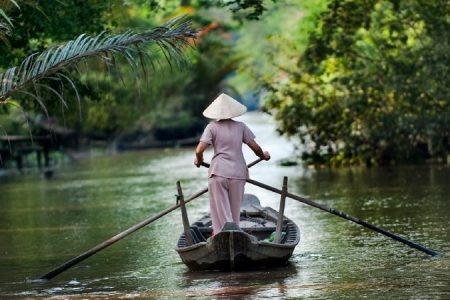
(184, 216)
(281, 211)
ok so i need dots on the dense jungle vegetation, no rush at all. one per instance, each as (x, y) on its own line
(372, 85)
(352, 82)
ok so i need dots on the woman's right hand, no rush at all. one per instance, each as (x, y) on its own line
(197, 163)
(266, 155)
(199, 154)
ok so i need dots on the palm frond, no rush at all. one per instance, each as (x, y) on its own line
(5, 27)
(6, 23)
(5, 17)
(172, 38)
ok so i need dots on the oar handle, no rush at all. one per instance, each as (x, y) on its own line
(204, 164)
(254, 162)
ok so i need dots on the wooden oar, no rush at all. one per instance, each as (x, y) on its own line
(121, 235)
(115, 238)
(348, 217)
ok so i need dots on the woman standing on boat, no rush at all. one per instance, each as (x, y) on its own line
(228, 170)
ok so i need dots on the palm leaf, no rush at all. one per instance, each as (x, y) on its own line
(4, 16)
(5, 30)
(6, 23)
(172, 38)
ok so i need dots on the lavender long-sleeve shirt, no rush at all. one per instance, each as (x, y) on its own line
(226, 137)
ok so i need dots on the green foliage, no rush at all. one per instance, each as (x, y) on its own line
(167, 102)
(124, 99)
(15, 122)
(178, 126)
(172, 38)
(248, 9)
(41, 24)
(46, 82)
(371, 87)
(6, 23)
(241, 9)
(273, 44)
(213, 62)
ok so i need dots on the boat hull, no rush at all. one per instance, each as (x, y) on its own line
(236, 248)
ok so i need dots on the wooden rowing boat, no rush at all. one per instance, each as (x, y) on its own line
(247, 246)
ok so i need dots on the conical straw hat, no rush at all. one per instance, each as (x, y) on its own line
(224, 107)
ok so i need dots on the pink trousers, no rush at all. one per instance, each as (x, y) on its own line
(225, 197)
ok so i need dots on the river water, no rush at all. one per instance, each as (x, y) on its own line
(46, 222)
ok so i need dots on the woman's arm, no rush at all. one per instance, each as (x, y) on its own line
(199, 153)
(258, 151)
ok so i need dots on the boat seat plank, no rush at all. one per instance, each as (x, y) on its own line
(196, 235)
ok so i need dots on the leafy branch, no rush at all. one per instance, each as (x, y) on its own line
(172, 38)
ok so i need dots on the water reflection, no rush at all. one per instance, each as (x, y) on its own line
(270, 283)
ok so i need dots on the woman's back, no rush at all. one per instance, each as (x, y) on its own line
(227, 137)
